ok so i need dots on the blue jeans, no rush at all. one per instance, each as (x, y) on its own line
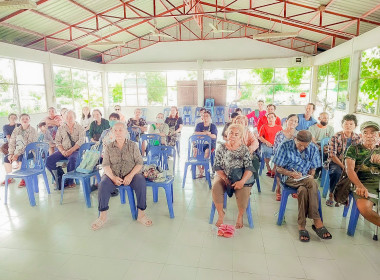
(267, 151)
(51, 162)
(335, 171)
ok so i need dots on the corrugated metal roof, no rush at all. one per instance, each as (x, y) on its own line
(62, 13)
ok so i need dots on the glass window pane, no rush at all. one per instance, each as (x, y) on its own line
(228, 75)
(62, 76)
(288, 95)
(131, 100)
(116, 78)
(262, 92)
(342, 96)
(281, 75)
(79, 78)
(172, 96)
(247, 76)
(8, 102)
(64, 97)
(95, 97)
(29, 73)
(370, 64)
(180, 75)
(334, 69)
(6, 71)
(33, 99)
(344, 68)
(323, 71)
(369, 92)
(94, 79)
(265, 75)
(115, 95)
(156, 95)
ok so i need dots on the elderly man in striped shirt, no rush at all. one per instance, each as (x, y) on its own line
(297, 161)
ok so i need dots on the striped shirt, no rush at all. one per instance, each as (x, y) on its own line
(289, 157)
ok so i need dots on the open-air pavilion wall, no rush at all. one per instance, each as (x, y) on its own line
(351, 48)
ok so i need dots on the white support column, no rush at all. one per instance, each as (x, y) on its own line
(314, 84)
(200, 83)
(105, 93)
(49, 83)
(353, 85)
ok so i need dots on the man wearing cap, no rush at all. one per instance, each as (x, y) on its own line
(296, 159)
(363, 168)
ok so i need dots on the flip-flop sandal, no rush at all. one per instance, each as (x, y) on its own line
(226, 230)
(99, 223)
(329, 203)
(268, 173)
(321, 231)
(145, 221)
(200, 176)
(295, 195)
(304, 233)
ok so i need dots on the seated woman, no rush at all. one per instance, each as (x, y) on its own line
(45, 136)
(267, 134)
(137, 122)
(175, 124)
(250, 140)
(97, 126)
(122, 163)
(160, 127)
(289, 133)
(338, 146)
(209, 129)
(8, 128)
(20, 138)
(70, 136)
(229, 157)
(363, 169)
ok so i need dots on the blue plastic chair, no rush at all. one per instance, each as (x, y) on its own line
(283, 121)
(134, 133)
(231, 109)
(30, 169)
(286, 191)
(156, 154)
(166, 112)
(325, 178)
(262, 162)
(219, 115)
(178, 147)
(150, 139)
(210, 102)
(198, 142)
(248, 211)
(84, 179)
(197, 114)
(187, 118)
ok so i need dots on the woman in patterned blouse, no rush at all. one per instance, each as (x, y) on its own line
(137, 122)
(20, 138)
(229, 157)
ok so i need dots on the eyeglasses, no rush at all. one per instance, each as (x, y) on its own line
(117, 109)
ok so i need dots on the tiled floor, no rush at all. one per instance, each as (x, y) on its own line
(53, 241)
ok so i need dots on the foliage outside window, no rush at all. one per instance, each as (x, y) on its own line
(369, 86)
(146, 88)
(333, 85)
(281, 86)
(76, 88)
(28, 94)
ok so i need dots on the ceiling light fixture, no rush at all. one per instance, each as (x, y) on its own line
(275, 35)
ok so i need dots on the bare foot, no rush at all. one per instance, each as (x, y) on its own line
(220, 219)
(239, 222)
(143, 219)
(98, 224)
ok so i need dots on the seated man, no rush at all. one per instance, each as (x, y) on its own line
(306, 120)
(224, 132)
(209, 129)
(363, 170)
(322, 129)
(267, 135)
(122, 163)
(296, 159)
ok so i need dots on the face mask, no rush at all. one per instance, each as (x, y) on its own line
(324, 123)
(112, 123)
(159, 120)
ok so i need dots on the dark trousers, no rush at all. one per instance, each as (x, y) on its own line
(334, 173)
(51, 162)
(106, 187)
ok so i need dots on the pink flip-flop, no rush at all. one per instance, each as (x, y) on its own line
(226, 230)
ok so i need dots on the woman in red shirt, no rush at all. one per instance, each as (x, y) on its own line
(267, 134)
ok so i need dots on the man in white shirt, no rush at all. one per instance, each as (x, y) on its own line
(322, 129)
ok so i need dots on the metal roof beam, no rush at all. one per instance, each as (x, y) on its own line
(21, 11)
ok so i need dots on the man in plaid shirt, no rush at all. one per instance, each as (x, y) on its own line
(297, 160)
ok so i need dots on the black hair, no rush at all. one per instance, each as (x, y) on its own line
(350, 117)
(234, 115)
(304, 136)
(11, 114)
(238, 110)
(207, 112)
(272, 114)
(312, 104)
(269, 105)
(291, 116)
(114, 115)
(41, 124)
